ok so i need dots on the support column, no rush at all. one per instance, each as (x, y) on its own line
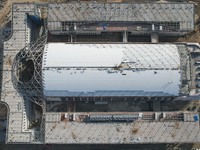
(154, 34)
(154, 37)
(71, 38)
(156, 105)
(71, 105)
(125, 37)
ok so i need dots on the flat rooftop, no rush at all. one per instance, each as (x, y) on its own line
(170, 127)
(180, 13)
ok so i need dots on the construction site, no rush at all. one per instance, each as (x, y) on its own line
(121, 73)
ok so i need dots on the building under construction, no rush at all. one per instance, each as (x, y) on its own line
(67, 67)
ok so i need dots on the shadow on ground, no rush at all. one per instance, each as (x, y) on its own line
(99, 147)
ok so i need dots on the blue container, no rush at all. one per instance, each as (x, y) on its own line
(196, 118)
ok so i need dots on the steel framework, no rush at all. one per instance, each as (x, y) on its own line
(31, 89)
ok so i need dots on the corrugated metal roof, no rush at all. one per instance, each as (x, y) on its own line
(82, 70)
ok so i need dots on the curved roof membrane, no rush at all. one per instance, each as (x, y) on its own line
(111, 70)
